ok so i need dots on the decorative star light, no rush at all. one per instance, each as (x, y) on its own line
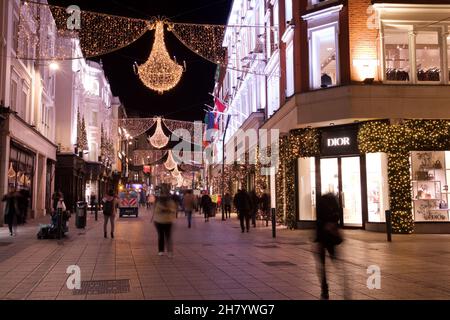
(159, 139)
(159, 72)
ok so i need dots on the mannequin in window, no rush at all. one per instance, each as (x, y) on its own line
(326, 81)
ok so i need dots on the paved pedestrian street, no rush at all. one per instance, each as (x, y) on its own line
(215, 261)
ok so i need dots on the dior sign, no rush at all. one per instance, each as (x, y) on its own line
(341, 140)
(337, 142)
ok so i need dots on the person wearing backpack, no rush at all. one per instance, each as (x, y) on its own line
(110, 203)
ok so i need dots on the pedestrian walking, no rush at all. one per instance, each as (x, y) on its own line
(265, 206)
(24, 201)
(227, 200)
(164, 216)
(55, 199)
(207, 206)
(110, 204)
(189, 205)
(242, 203)
(327, 236)
(12, 211)
(142, 198)
(254, 203)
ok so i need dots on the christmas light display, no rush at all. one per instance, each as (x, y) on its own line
(170, 163)
(159, 139)
(160, 73)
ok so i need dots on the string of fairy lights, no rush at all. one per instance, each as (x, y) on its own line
(99, 34)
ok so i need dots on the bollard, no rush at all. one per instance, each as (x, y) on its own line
(274, 224)
(389, 225)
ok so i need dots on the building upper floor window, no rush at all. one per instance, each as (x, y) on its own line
(415, 55)
(324, 63)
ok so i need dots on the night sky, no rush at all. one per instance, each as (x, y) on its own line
(184, 102)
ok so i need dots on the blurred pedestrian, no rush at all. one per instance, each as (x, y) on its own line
(142, 198)
(327, 236)
(12, 211)
(55, 199)
(110, 204)
(265, 206)
(242, 203)
(93, 200)
(207, 205)
(254, 203)
(24, 202)
(188, 205)
(227, 200)
(164, 216)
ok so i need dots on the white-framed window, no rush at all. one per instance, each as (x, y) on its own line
(276, 26)
(288, 10)
(13, 94)
(290, 82)
(377, 186)
(307, 189)
(413, 54)
(396, 54)
(22, 111)
(324, 56)
(273, 92)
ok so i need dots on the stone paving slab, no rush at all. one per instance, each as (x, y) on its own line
(215, 261)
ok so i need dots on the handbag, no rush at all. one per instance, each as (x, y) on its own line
(443, 205)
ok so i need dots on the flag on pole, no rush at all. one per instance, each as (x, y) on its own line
(220, 106)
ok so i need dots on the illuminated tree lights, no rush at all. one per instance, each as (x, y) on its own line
(159, 73)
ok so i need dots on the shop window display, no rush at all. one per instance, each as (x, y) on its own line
(428, 56)
(430, 178)
(307, 188)
(396, 52)
(324, 58)
(377, 186)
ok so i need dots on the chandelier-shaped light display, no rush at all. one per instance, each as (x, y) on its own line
(159, 72)
(176, 173)
(170, 164)
(159, 139)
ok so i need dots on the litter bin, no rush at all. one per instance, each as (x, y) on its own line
(81, 214)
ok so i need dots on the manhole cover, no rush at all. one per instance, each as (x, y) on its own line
(103, 287)
(279, 263)
(4, 244)
(267, 246)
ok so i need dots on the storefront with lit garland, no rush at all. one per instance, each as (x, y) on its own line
(371, 167)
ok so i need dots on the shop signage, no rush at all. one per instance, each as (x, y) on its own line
(339, 141)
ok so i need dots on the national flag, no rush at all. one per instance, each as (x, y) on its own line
(220, 106)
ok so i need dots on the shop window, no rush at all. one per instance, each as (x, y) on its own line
(428, 56)
(448, 57)
(307, 189)
(324, 57)
(430, 179)
(396, 52)
(377, 186)
(290, 69)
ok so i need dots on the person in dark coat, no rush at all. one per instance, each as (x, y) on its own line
(327, 235)
(207, 206)
(12, 210)
(24, 202)
(254, 201)
(227, 205)
(242, 202)
(265, 206)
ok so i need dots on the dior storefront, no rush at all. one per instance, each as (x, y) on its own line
(360, 182)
